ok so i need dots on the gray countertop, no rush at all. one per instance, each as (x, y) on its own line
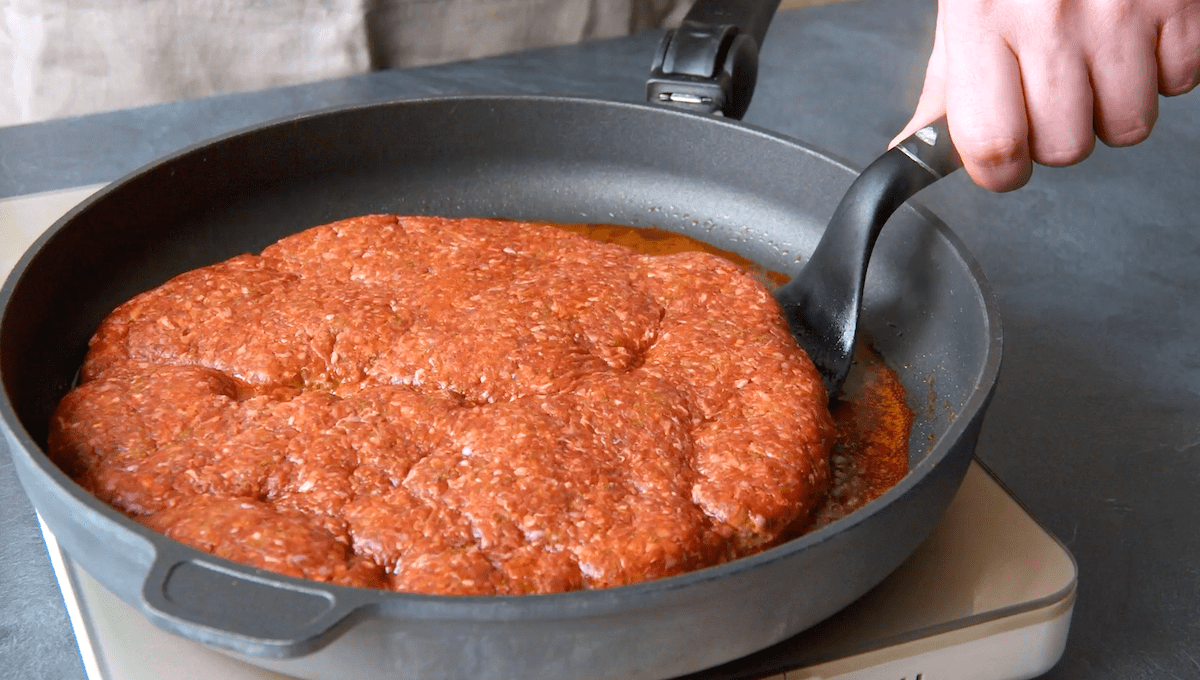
(1095, 424)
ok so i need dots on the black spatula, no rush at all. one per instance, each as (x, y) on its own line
(822, 302)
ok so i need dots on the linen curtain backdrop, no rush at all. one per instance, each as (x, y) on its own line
(71, 57)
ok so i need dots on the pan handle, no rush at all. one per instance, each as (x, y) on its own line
(266, 616)
(710, 63)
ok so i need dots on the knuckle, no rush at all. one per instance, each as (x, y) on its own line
(1059, 156)
(1063, 151)
(1179, 51)
(995, 151)
(1002, 178)
(1125, 132)
(999, 163)
(1126, 136)
(1176, 84)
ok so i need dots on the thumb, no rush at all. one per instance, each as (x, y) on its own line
(932, 103)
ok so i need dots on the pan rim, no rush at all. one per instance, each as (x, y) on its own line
(552, 606)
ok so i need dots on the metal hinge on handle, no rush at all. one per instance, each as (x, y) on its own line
(710, 63)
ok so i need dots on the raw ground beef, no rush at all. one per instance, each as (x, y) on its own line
(454, 406)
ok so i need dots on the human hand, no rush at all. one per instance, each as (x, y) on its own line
(1023, 81)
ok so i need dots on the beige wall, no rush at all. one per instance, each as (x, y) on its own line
(70, 57)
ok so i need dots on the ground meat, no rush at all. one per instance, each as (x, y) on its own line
(454, 406)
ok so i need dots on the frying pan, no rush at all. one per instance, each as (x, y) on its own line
(927, 309)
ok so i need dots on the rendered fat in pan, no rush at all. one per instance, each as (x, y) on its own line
(926, 308)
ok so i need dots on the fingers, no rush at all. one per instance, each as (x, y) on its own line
(1023, 81)
(1178, 51)
(985, 106)
(1124, 71)
(1058, 104)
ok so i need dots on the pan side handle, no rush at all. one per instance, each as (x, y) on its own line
(266, 616)
(752, 17)
(710, 63)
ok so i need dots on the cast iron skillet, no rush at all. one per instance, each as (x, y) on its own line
(927, 309)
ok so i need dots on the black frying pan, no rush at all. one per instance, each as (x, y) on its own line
(927, 309)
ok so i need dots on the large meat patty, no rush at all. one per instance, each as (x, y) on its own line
(454, 406)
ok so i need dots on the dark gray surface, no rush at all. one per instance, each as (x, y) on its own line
(1094, 425)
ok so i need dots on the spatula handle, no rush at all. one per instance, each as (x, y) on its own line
(930, 147)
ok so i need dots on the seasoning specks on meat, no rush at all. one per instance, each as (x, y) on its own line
(454, 406)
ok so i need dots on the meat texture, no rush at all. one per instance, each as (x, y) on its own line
(454, 406)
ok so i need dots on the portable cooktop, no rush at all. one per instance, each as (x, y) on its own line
(988, 596)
